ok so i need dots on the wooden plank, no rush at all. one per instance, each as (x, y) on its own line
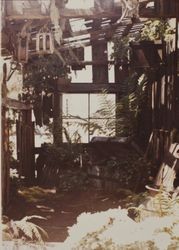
(57, 121)
(166, 8)
(72, 13)
(27, 17)
(167, 172)
(90, 13)
(104, 35)
(15, 104)
(108, 27)
(5, 172)
(94, 62)
(100, 72)
(162, 8)
(89, 88)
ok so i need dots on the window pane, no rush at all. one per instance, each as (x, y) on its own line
(84, 4)
(102, 105)
(88, 53)
(82, 76)
(102, 127)
(75, 105)
(76, 130)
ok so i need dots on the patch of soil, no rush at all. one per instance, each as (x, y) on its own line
(60, 209)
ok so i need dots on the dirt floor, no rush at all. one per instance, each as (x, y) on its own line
(60, 209)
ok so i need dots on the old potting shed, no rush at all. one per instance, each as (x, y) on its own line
(46, 39)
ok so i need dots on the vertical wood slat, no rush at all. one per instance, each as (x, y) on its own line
(100, 72)
(158, 145)
(19, 144)
(120, 75)
(5, 160)
(25, 139)
(5, 164)
(166, 8)
(57, 121)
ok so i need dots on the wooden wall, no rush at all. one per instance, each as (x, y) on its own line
(5, 171)
(25, 146)
(5, 166)
(25, 141)
(167, 8)
(163, 95)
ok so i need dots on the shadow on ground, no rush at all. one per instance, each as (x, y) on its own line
(60, 209)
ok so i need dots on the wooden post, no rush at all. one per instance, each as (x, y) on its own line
(121, 73)
(57, 120)
(100, 72)
(5, 146)
(176, 86)
(27, 149)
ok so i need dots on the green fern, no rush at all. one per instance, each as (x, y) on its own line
(126, 110)
(121, 49)
(24, 229)
(157, 29)
(165, 203)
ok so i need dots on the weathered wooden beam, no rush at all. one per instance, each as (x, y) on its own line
(104, 34)
(15, 104)
(101, 30)
(84, 43)
(57, 119)
(27, 17)
(71, 13)
(161, 8)
(146, 12)
(5, 162)
(90, 13)
(89, 88)
(95, 62)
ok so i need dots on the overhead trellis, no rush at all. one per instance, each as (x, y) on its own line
(50, 27)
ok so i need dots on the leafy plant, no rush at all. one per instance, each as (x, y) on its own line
(102, 121)
(131, 104)
(165, 203)
(157, 29)
(131, 172)
(73, 179)
(56, 164)
(43, 71)
(120, 117)
(121, 50)
(23, 229)
(92, 240)
(40, 76)
(114, 230)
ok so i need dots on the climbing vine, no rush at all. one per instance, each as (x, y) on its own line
(157, 29)
(153, 29)
(41, 72)
(40, 76)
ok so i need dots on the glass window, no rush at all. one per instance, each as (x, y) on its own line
(88, 115)
(75, 130)
(75, 105)
(82, 76)
(84, 4)
(102, 105)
